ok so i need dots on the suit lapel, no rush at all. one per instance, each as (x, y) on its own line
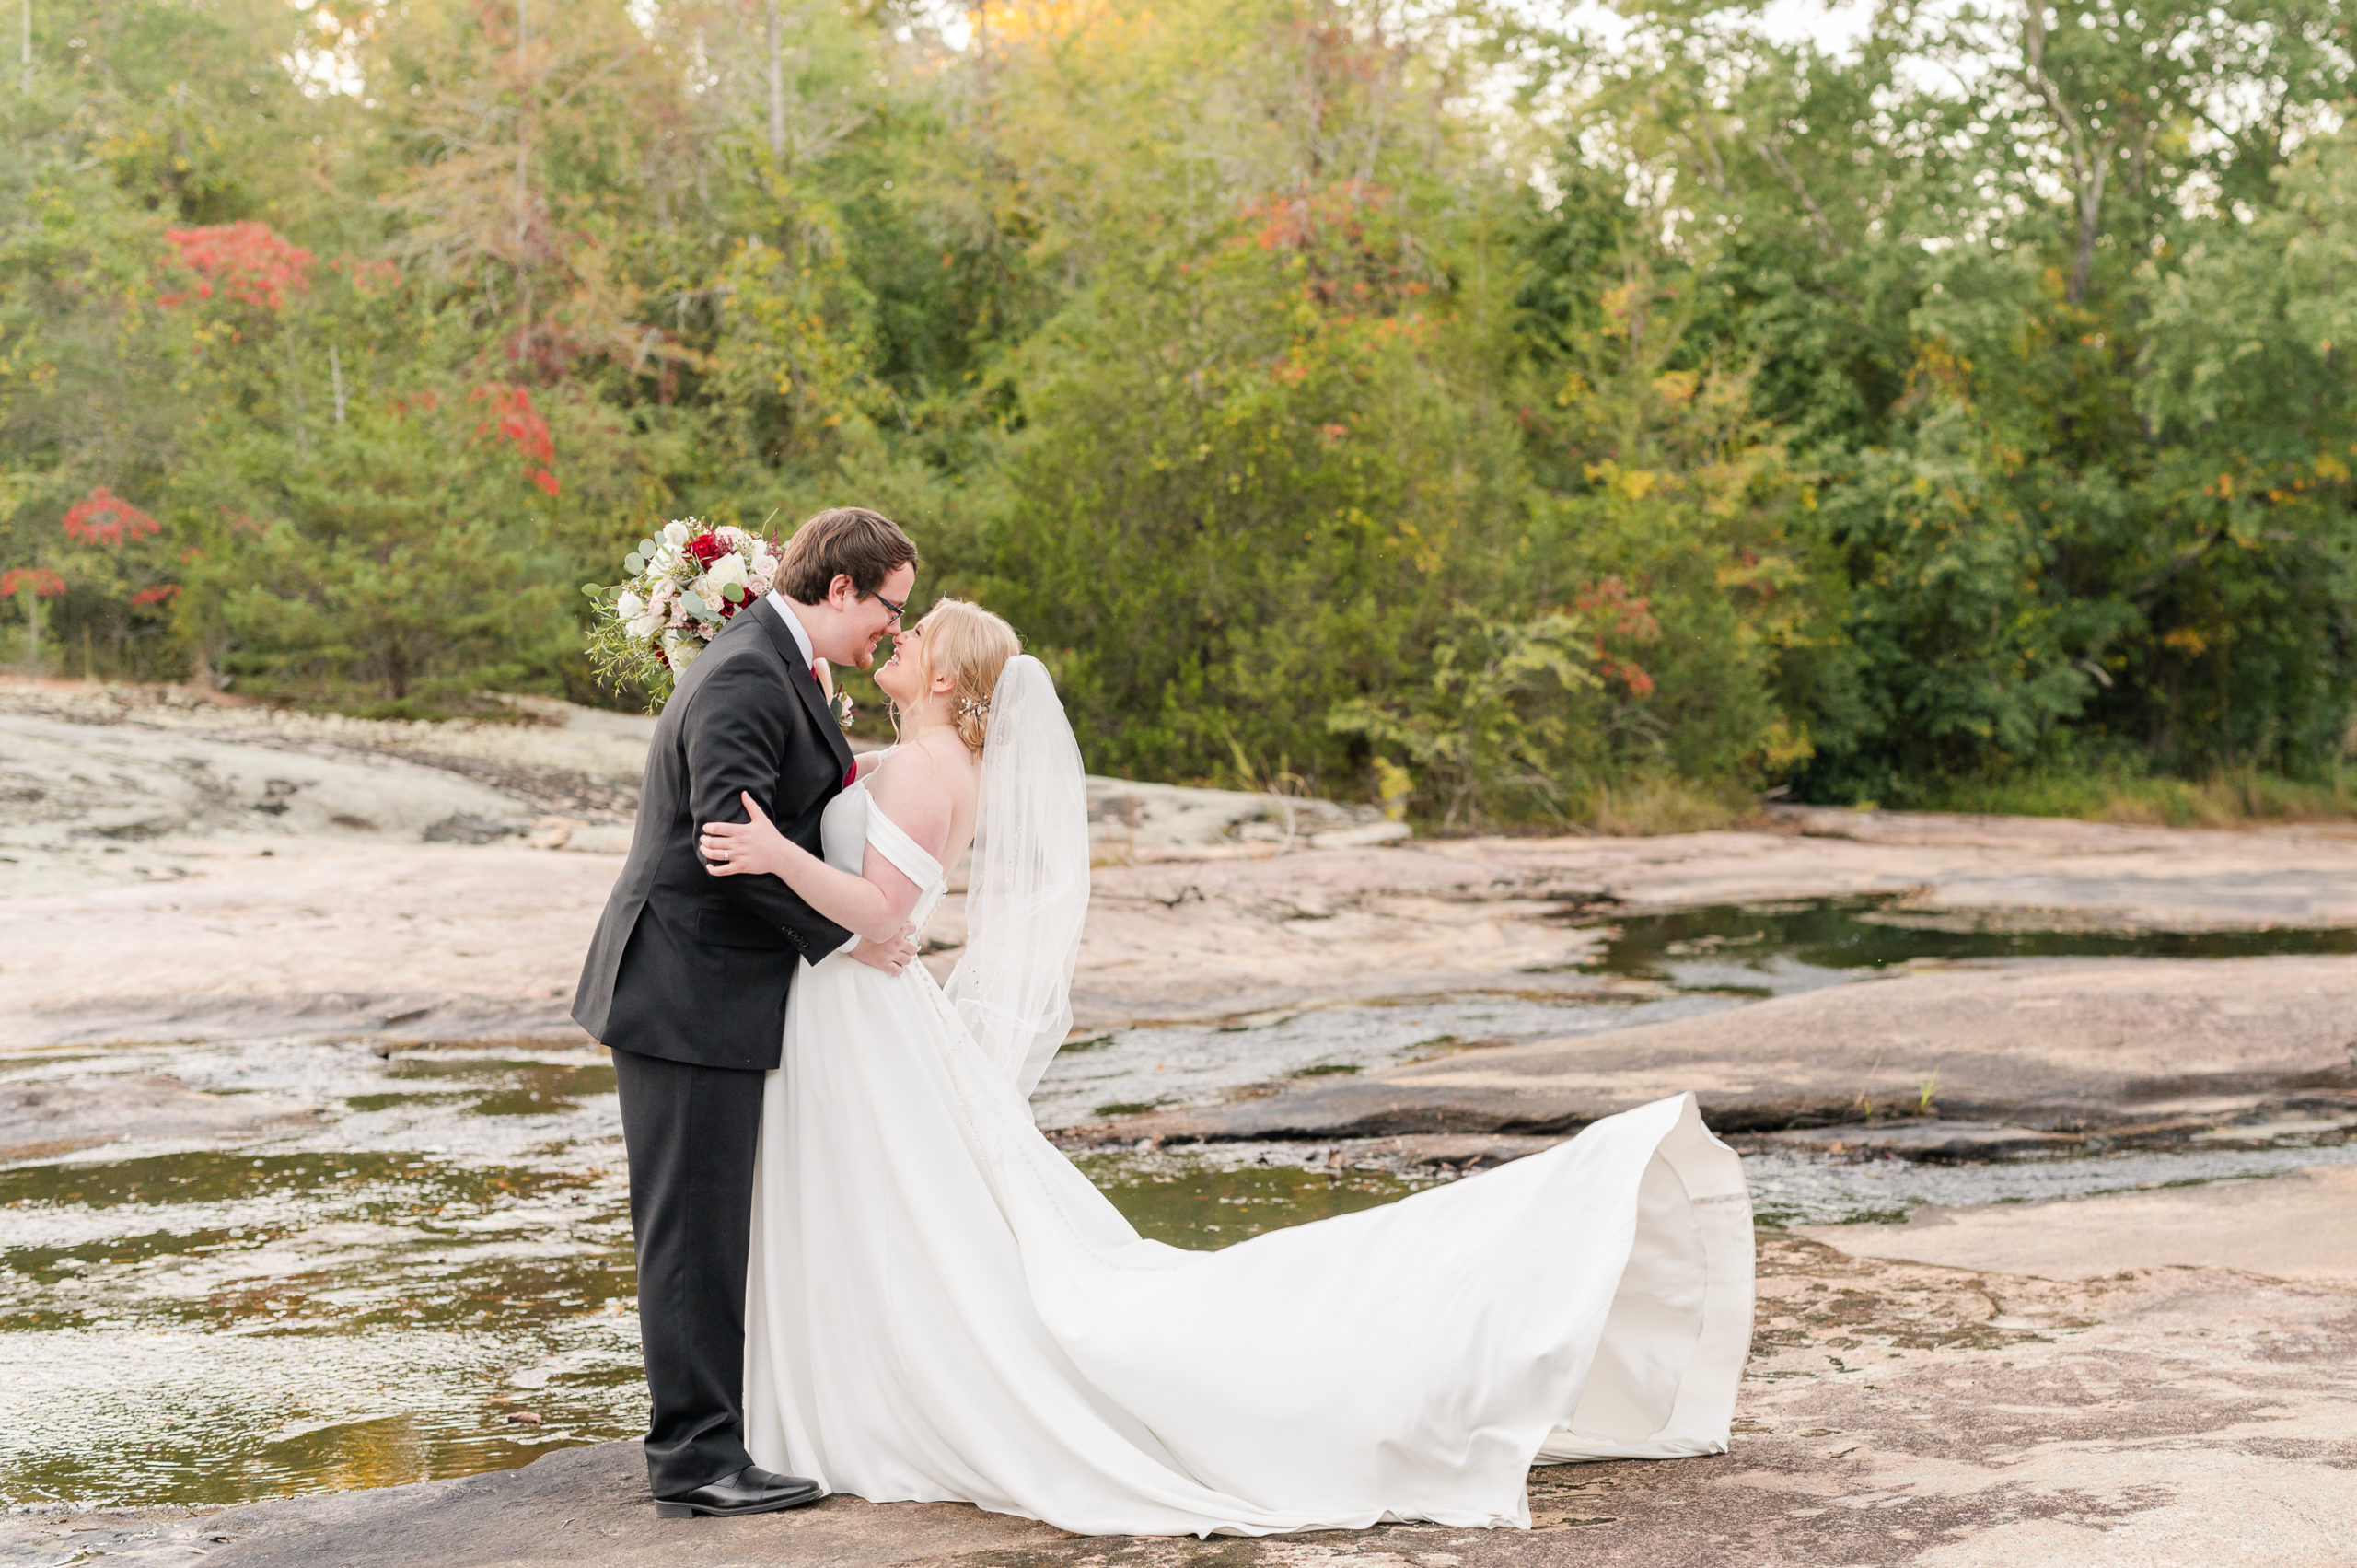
(805, 685)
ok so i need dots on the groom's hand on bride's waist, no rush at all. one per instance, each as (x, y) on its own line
(891, 956)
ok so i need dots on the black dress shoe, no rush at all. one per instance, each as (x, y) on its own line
(750, 1491)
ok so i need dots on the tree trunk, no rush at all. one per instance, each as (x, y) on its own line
(777, 85)
(2090, 160)
(2090, 225)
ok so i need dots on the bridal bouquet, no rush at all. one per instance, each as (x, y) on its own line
(684, 585)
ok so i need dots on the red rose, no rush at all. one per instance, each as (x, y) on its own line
(707, 548)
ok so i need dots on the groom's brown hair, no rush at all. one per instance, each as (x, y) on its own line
(843, 541)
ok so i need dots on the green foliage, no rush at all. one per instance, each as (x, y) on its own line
(1428, 408)
(1484, 718)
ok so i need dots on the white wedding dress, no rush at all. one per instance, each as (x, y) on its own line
(941, 1306)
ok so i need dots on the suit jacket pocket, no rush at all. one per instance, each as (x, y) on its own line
(726, 928)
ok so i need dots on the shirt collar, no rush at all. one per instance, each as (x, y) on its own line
(794, 625)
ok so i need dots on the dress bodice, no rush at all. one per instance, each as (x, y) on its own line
(851, 823)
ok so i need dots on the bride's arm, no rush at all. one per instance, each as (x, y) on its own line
(876, 904)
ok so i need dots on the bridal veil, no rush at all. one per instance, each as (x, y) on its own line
(1026, 891)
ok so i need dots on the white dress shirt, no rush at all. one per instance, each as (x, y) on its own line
(802, 640)
(794, 623)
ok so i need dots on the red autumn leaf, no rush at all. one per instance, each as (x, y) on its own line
(520, 426)
(38, 581)
(104, 517)
(248, 261)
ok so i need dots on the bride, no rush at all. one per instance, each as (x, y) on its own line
(942, 1309)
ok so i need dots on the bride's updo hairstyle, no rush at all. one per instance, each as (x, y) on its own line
(969, 643)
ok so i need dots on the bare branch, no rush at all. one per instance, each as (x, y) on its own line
(2089, 164)
(1830, 242)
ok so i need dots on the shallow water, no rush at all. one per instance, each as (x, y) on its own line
(355, 1304)
(1794, 1189)
(379, 1297)
(1128, 1071)
(1771, 950)
(1645, 969)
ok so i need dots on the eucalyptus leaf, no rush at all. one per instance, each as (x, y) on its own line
(634, 564)
(732, 592)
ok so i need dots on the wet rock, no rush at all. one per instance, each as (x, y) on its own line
(465, 828)
(2064, 1046)
(1440, 1151)
(1893, 1414)
(1925, 1140)
(41, 1119)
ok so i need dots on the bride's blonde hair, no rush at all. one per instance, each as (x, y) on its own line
(969, 644)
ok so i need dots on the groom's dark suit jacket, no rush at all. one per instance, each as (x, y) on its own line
(694, 968)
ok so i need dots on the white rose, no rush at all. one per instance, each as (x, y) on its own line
(630, 607)
(647, 624)
(730, 568)
(682, 652)
(674, 534)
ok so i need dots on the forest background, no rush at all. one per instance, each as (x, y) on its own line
(1503, 416)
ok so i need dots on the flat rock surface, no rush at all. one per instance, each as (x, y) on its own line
(2300, 1227)
(41, 1120)
(302, 936)
(273, 872)
(2077, 1042)
(1894, 1414)
(1191, 940)
(2150, 1378)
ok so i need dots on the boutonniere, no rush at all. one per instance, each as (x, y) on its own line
(840, 704)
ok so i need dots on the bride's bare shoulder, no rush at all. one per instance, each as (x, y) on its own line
(911, 786)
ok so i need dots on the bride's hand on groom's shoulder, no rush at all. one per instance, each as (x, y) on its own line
(740, 848)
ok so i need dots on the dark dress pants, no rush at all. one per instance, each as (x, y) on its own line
(691, 1133)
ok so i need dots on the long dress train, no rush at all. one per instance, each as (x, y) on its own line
(942, 1308)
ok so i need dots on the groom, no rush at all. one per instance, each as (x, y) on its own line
(687, 981)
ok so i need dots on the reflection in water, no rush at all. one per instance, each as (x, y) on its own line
(1212, 1198)
(1770, 949)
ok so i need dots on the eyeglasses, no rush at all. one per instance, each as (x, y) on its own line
(888, 604)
